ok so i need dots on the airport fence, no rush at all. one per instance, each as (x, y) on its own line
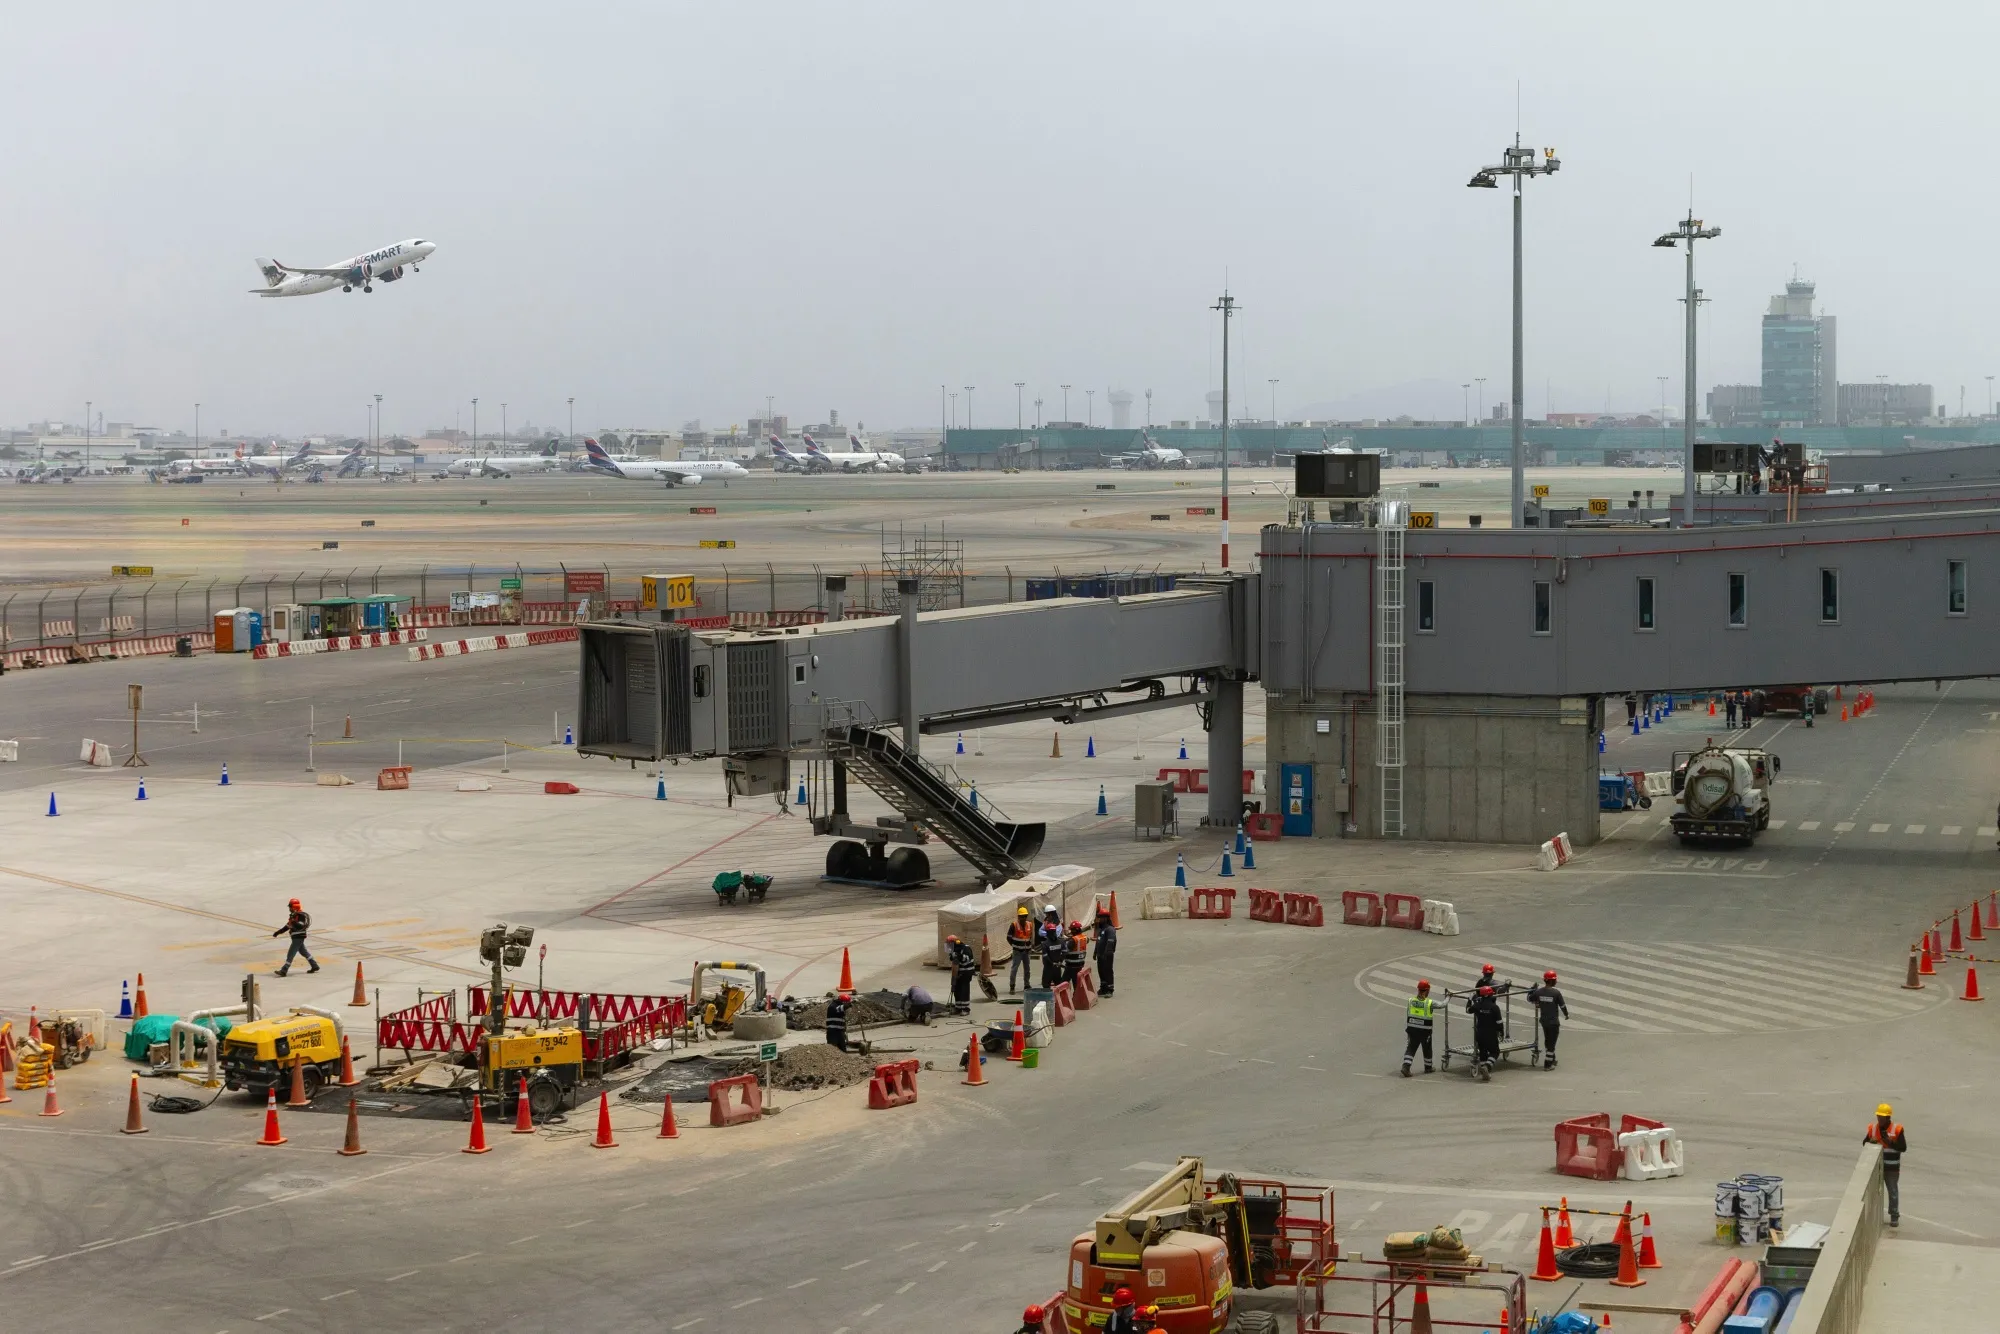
(64, 622)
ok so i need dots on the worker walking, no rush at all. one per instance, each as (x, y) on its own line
(1021, 949)
(1882, 1130)
(1486, 979)
(1486, 1023)
(1054, 945)
(1105, 950)
(836, 1020)
(963, 966)
(1417, 1026)
(298, 922)
(1552, 1009)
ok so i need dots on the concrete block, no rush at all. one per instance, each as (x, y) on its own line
(765, 1027)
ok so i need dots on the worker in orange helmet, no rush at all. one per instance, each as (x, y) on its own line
(1124, 1318)
(1033, 1321)
(963, 965)
(1549, 1004)
(297, 921)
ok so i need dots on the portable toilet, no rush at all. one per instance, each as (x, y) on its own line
(287, 624)
(232, 630)
(256, 619)
(374, 614)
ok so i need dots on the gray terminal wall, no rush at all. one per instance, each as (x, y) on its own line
(1892, 617)
(1974, 463)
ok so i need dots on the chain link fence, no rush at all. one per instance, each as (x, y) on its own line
(58, 619)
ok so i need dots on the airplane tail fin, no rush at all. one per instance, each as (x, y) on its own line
(598, 458)
(273, 274)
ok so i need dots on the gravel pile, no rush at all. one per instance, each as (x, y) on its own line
(869, 1008)
(813, 1066)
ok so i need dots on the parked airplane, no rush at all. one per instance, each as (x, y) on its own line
(282, 279)
(680, 472)
(858, 460)
(206, 467)
(503, 465)
(264, 465)
(312, 462)
(1150, 454)
(784, 460)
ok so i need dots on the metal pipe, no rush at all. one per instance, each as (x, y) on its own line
(191, 1029)
(725, 965)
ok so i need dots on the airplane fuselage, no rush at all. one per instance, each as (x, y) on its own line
(385, 263)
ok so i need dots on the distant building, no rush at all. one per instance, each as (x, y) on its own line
(1736, 404)
(1876, 404)
(1121, 408)
(1800, 388)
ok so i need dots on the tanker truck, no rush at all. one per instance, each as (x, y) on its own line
(1723, 793)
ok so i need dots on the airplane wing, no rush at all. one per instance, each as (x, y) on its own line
(316, 273)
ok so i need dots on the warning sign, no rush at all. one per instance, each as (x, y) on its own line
(701, 509)
(583, 581)
(1540, 492)
(1201, 509)
(132, 571)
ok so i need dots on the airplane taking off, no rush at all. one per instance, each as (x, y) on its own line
(386, 264)
(1150, 455)
(859, 460)
(683, 472)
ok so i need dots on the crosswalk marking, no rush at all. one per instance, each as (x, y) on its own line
(1913, 829)
(1639, 988)
(1949, 830)
(1806, 826)
(1844, 827)
(1776, 824)
(1878, 829)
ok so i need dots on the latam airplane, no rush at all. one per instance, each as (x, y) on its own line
(258, 465)
(858, 460)
(351, 460)
(681, 472)
(387, 264)
(505, 465)
(784, 460)
(1151, 454)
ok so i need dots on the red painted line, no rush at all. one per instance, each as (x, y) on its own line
(666, 871)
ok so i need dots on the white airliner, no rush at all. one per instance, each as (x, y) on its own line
(207, 467)
(1150, 455)
(504, 465)
(259, 465)
(387, 264)
(857, 460)
(311, 462)
(682, 472)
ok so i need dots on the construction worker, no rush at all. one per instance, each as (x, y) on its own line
(1484, 1008)
(1417, 1026)
(1054, 946)
(836, 1020)
(1486, 979)
(1729, 708)
(1631, 707)
(1105, 950)
(917, 1006)
(1075, 953)
(1124, 1318)
(298, 921)
(1033, 1321)
(963, 966)
(1552, 1009)
(1889, 1135)
(1021, 949)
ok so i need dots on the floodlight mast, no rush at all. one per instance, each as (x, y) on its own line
(1519, 163)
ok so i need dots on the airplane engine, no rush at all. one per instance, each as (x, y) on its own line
(691, 479)
(390, 275)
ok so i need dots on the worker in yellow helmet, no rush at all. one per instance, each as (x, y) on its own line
(1884, 1130)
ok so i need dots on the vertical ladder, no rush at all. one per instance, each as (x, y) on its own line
(1392, 520)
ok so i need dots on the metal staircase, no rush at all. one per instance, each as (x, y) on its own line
(927, 795)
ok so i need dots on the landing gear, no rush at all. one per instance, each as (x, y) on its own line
(347, 287)
(851, 860)
(368, 287)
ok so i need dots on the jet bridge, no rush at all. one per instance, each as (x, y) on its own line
(861, 694)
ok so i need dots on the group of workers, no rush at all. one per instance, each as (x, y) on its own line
(1488, 1020)
(1126, 1316)
(1064, 952)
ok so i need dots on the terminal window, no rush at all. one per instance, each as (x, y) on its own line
(1829, 596)
(1645, 604)
(1426, 607)
(1544, 613)
(1739, 601)
(1955, 588)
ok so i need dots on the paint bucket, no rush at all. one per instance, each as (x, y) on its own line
(1750, 1225)
(1774, 1194)
(1725, 1211)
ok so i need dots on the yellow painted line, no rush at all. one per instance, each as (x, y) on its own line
(363, 926)
(207, 944)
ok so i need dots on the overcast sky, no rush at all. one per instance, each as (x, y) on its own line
(673, 211)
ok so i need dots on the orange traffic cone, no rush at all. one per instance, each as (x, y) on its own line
(6, 1052)
(1993, 911)
(603, 1139)
(351, 1146)
(1924, 968)
(476, 1141)
(668, 1130)
(1628, 1260)
(1957, 940)
(1420, 1311)
(1055, 751)
(348, 735)
(1973, 931)
(1545, 1258)
(272, 1135)
(360, 989)
(1711, 706)
(1843, 713)
(133, 1125)
(1116, 925)
(1971, 991)
(975, 1071)
(347, 1079)
(1648, 1257)
(1607, 1321)
(1020, 1044)
(139, 1010)
(298, 1096)
(1911, 983)
(524, 1115)
(49, 1107)
(35, 1026)
(846, 972)
(1565, 1234)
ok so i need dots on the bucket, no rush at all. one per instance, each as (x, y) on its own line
(1750, 1225)
(1774, 1194)
(1031, 1058)
(1725, 1212)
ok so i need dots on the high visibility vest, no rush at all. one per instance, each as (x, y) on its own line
(1420, 1012)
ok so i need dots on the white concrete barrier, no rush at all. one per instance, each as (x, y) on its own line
(1652, 1154)
(1440, 918)
(96, 754)
(10, 751)
(1659, 783)
(1162, 901)
(1555, 853)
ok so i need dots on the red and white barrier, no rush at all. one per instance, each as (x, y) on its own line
(147, 646)
(375, 639)
(452, 648)
(95, 754)
(1556, 852)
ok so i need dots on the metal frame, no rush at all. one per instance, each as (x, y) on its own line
(1509, 1044)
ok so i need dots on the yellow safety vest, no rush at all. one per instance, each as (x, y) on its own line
(1420, 1012)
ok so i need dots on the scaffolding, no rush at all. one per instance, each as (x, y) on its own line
(1391, 523)
(937, 563)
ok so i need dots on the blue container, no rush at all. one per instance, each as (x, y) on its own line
(374, 615)
(256, 628)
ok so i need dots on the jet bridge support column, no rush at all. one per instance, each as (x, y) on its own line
(906, 678)
(1225, 753)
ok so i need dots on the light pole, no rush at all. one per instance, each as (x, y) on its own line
(1065, 390)
(1690, 230)
(1038, 414)
(1019, 385)
(378, 435)
(503, 430)
(1274, 403)
(570, 444)
(1989, 396)
(1090, 407)
(197, 430)
(1149, 407)
(1227, 305)
(942, 425)
(88, 406)
(1882, 399)
(1465, 401)
(1520, 164)
(954, 409)
(968, 407)
(475, 428)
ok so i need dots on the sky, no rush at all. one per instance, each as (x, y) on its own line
(677, 211)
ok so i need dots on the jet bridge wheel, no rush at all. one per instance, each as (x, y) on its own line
(847, 860)
(908, 866)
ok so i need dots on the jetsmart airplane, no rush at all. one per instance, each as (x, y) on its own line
(683, 472)
(362, 270)
(859, 460)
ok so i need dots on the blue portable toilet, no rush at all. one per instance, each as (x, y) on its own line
(256, 628)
